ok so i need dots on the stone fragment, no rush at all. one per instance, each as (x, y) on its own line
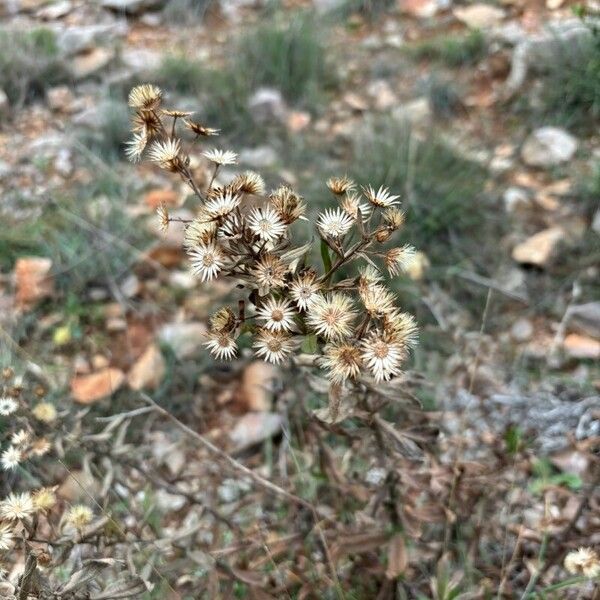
(266, 105)
(539, 249)
(185, 339)
(91, 62)
(581, 347)
(548, 146)
(254, 428)
(479, 16)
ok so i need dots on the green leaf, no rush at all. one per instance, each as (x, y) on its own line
(309, 344)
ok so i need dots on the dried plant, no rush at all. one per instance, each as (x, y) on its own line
(351, 322)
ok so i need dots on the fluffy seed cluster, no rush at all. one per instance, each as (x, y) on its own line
(354, 325)
(583, 561)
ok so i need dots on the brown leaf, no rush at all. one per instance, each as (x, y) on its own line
(357, 543)
(397, 557)
(87, 389)
(33, 281)
(148, 371)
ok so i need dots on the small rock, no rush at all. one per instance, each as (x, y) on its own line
(254, 393)
(73, 39)
(131, 286)
(91, 62)
(266, 105)
(254, 428)
(60, 99)
(382, 94)
(259, 157)
(539, 249)
(298, 120)
(596, 222)
(422, 9)
(4, 103)
(586, 318)
(167, 503)
(479, 16)
(130, 6)
(415, 112)
(87, 389)
(141, 61)
(183, 279)
(516, 200)
(581, 347)
(185, 339)
(521, 330)
(33, 281)
(166, 196)
(548, 147)
(148, 371)
(54, 11)
(63, 163)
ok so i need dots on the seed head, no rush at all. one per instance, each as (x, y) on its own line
(273, 346)
(145, 96)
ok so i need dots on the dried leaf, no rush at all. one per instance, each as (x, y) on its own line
(91, 388)
(397, 557)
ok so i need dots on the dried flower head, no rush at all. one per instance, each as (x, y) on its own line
(146, 97)
(304, 289)
(206, 260)
(162, 216)
(583, 561)
(6, 536)
(202, 230)
(8, 406)
(223, 321)
(221, 157)
(249, 183)
(222, 204)
(176, 114)
(332, 316)
(270, 272)
(381, 197)
(79, 516)
(20, 438)
(288, 204)
(135, 147)
(352, 205)
(394, 218)
(44, 499)
(44, 412)
(398, 260)
(340, 185)
(40, 447)
(273, 346)
(342, 360)
(147, 123)
(266, 224)
(17, 507)
(200, 130)
(221, 345)
(167, 154)
(382, 356)
(377, 299)
(11, 458)
(401, 327)
(277, 315)
(334, 223)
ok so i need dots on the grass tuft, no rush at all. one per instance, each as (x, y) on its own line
(571, 90)
(452, 51)
(442, 191)
(29, 64)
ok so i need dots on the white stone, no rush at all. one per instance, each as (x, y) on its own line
(548, 147)
(479, 16)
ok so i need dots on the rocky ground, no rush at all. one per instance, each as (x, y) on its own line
(483, 116)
